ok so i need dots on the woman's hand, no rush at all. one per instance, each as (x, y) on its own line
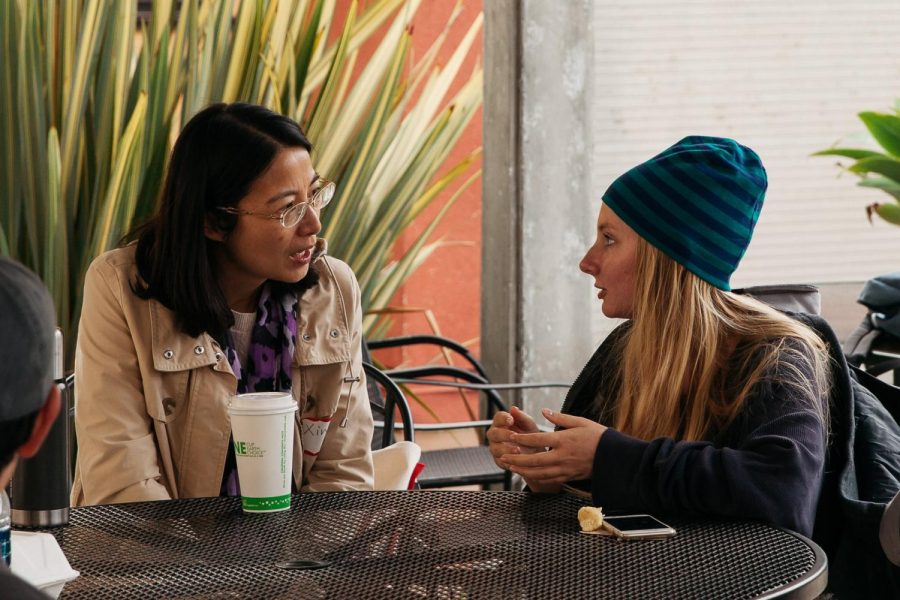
(569, 452)
(503, 427)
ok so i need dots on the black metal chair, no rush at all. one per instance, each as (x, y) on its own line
(386, 399)
(883, 356)
(394, 462)
(434, 340)
(68, 405)
(472, 465)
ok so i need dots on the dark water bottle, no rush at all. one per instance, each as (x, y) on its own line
(5, 533)
(40, 486)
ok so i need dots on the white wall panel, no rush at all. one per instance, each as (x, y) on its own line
(786, 78)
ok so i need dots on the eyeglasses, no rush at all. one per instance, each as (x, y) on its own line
(295, 211)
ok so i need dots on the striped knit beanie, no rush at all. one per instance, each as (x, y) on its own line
(697, 202)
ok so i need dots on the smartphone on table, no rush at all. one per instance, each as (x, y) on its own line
(637, 527)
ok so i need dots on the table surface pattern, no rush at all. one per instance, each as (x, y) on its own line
(440, 544)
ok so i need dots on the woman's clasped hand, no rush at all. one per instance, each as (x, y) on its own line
(545, 458)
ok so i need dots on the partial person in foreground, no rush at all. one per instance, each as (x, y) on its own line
(703, 402)
(225, 290)
(29, 398)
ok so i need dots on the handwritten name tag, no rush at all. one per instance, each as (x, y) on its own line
(312, 434)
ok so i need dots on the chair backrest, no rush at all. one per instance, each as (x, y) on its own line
(460, 464)
(68, 405)
(447, 347)
(798, 298)
(385, 397)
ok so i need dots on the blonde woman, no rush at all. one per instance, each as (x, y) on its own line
(703, 402)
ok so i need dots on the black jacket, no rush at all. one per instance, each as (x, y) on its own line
(862, 474)
(766, 465)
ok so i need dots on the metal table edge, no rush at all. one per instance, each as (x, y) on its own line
(806, 587)
(809, 586)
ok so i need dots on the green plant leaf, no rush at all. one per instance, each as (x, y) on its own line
(303, 55)
(889, 167)
(109, 227)
(10, 196)
(885, 129)
(413, 258)
(854, 153)
(889, 212)
(882, 183)
(56, 264)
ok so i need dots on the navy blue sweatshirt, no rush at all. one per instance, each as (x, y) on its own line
(766, 465)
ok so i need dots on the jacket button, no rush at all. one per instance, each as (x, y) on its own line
(169, 405)
(218, 356)
(333, 333)
(199, 350)
(306, 337)
(168, 354)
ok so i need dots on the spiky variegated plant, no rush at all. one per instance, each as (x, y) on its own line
(89, 108)
(879, 170)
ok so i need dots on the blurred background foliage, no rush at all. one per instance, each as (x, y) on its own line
(92, 98)
(877, 166)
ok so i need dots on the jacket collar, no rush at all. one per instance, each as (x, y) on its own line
(173, 350)
(323, 327)
(323, 330)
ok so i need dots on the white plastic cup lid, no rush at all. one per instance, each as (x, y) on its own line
(262, 403)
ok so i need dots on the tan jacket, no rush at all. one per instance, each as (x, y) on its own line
(150, 412)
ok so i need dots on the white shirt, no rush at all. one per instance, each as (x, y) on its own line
(240, 334)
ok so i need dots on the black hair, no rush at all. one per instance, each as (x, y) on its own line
(221, 151)
(13, 434)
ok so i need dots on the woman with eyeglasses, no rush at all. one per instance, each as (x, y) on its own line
(226, 290)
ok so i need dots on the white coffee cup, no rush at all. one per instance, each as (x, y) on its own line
(262, 425)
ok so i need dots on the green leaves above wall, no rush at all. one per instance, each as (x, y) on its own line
(877, 169)
(90, 104)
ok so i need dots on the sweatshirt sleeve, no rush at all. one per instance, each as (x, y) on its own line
(771, 471)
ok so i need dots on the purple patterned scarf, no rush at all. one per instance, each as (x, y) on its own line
(269, 361)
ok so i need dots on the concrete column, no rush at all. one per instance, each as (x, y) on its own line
(501, 303)
(559, 206)
(539, 205)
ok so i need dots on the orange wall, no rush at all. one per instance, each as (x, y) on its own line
(449, 283)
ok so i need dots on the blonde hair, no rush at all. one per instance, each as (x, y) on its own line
(694, 353)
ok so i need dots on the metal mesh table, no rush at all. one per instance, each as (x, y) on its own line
(441, 544)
